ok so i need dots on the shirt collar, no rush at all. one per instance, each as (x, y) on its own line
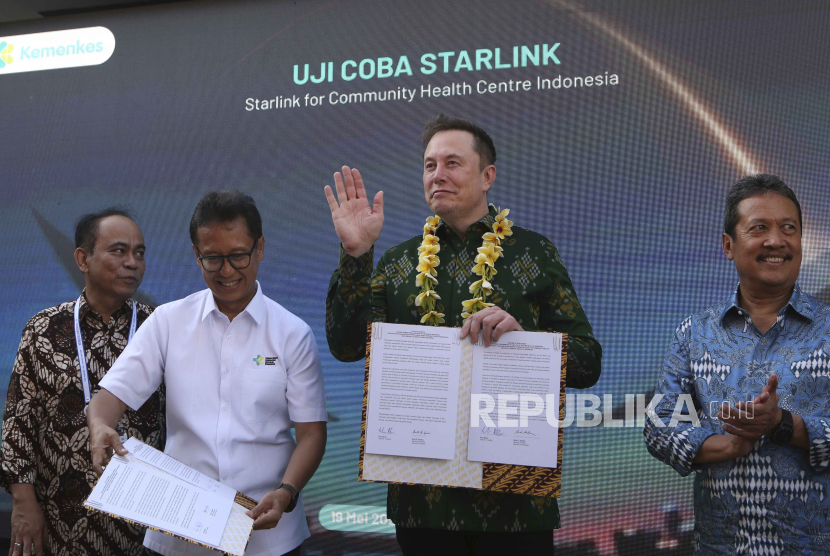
(483, 225)
(85, 309)
(797, 303)
(255, 307)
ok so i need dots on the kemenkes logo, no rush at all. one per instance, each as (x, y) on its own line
(6, 54)
(72, 48)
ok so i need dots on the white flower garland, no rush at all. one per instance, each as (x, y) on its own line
(485, 267)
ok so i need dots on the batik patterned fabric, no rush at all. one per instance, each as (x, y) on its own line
(45, 437)
(775, 499)
(531, 284)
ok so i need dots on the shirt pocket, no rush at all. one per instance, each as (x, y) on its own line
(259, 393)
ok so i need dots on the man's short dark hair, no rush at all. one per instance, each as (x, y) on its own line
(753, 186)
(225, 206)
(86, 229)
(482, 143)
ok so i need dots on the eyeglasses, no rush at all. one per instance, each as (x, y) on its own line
(239, 261)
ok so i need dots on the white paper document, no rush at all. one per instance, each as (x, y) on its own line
(517, 379)
(134, 490)
(150, 455)
(413, 391)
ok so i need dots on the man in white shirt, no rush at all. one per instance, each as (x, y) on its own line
(239, 370)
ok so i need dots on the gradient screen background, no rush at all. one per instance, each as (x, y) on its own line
(628, 180)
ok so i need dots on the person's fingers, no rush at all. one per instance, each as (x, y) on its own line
(340, 188)
(761, 398)
(506, 325)
(475, 325)
(493, 317)
(349, 179)
(260, 521)
(333, 206)
(772, 384)
(487, 324)
(739, 432)
(730, 415)
(359, 187)
(27, 544)
(377, 205)
(117, 446)
(98, 456)
(267, 520)
(741, 419)
(38, 544)
(17, 545)
(465, 328)
(263, 505)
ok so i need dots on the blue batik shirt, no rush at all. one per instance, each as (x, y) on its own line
(775, 499)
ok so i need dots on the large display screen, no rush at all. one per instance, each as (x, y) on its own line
(618, 125)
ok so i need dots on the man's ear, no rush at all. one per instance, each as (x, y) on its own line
(260, 248)
(489, 177)
(196, 252)
(727, 246)
(81, 257)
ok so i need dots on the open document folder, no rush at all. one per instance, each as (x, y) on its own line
(420, 392)
(152, 489)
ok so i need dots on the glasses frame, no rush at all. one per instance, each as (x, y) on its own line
(228, 258)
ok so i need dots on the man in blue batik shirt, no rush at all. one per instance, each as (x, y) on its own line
(757, 369)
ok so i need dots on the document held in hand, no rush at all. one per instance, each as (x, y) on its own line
(152, 489)
(414, 392)
(439, 410)
(515, 384)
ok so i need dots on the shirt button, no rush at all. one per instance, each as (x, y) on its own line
(225, 371)
(224, 477)
(222, 442)
(224, 408)
(229, 336)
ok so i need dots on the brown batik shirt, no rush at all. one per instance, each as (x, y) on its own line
(45, 435)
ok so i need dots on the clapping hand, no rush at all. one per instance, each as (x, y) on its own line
(756, 418)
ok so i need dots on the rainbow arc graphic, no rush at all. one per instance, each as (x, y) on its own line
(6, 54)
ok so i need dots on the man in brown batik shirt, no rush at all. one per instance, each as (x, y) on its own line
(44, 460)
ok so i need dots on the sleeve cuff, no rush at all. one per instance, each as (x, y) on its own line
(309, 416)
(122, 392)
(357, 268)
(675, 446)
(17, 473)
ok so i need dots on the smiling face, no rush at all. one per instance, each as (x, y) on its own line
(232, 288)
(455, 185)
(767, 244)
(115, 267)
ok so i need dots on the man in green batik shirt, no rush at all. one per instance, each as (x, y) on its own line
(531, 291)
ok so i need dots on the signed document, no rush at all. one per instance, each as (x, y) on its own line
(516, 382)
(158, 459)
(413, 391)
(154, 490)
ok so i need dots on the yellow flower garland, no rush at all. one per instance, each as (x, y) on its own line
(485, 267)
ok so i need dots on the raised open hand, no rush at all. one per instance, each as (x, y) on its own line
(357, 224)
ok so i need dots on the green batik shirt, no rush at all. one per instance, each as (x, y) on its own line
(531, 284)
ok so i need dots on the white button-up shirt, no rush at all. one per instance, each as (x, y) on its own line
(233, 389)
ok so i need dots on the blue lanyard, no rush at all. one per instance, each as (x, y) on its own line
(79, 342)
